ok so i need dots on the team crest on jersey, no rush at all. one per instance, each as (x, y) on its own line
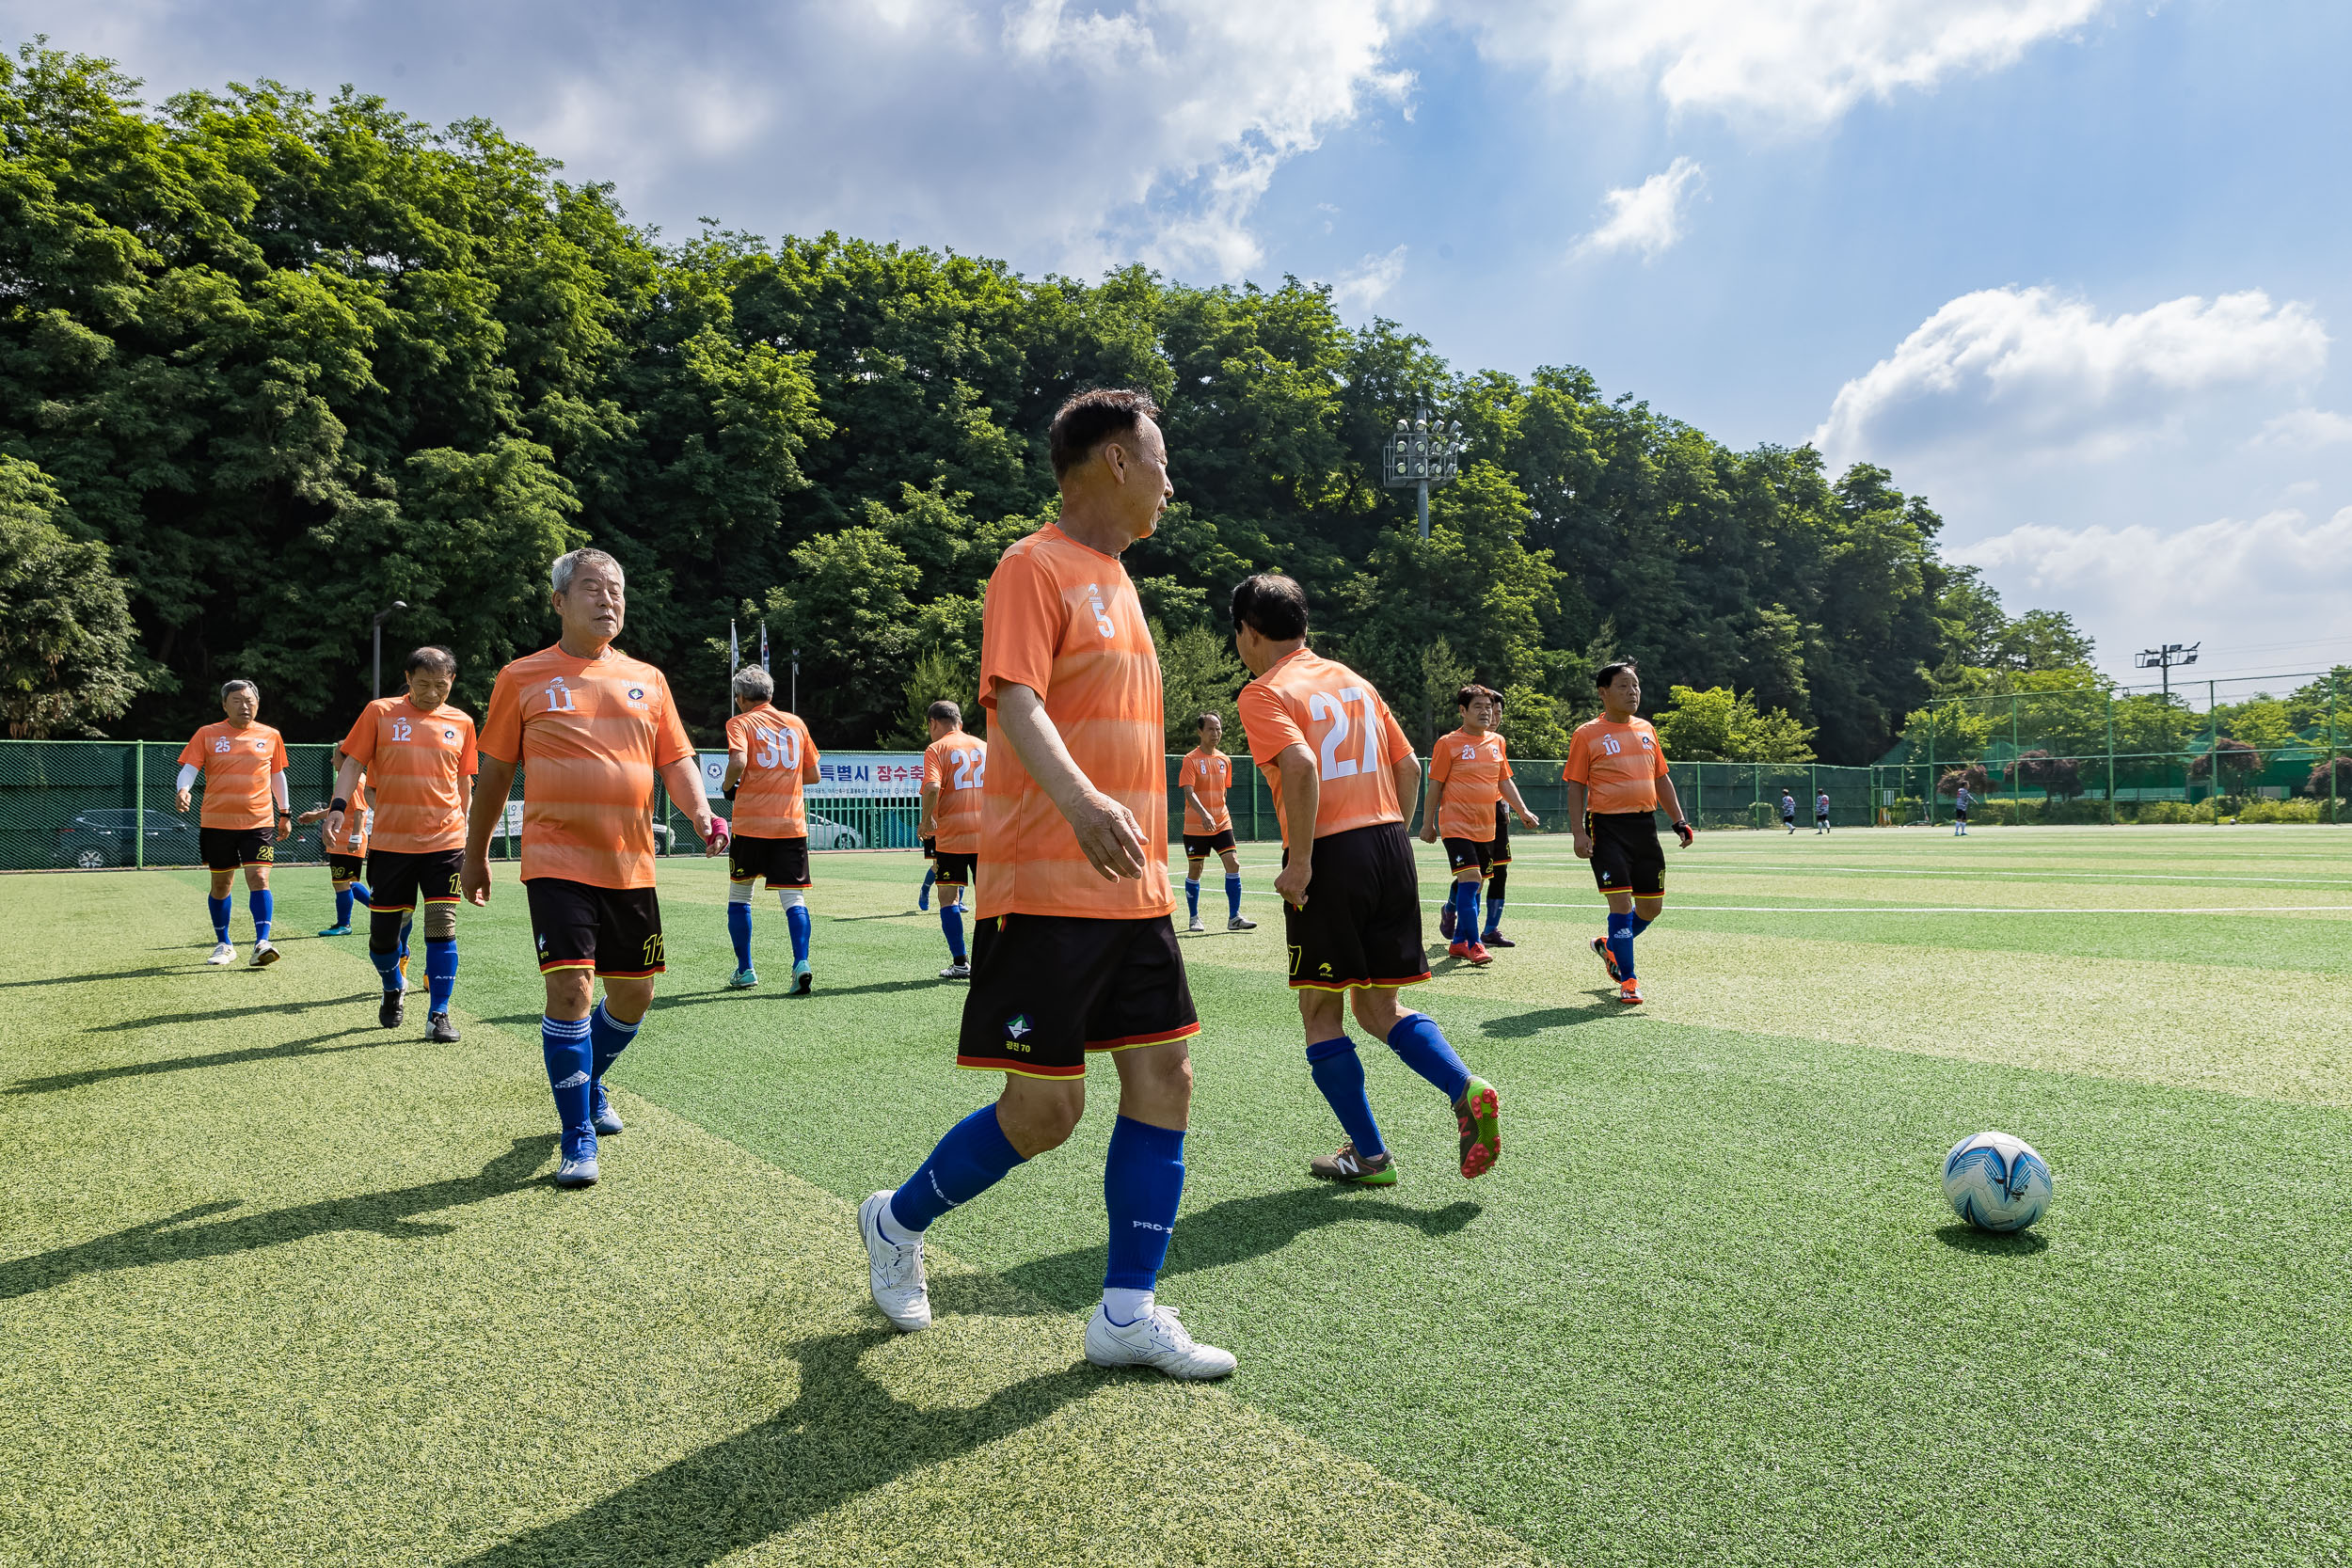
(450, 735)
(1017, 1029)
(636, 694)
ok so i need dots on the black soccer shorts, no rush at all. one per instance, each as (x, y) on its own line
(1048, 989)
(1461, 852)
(1201, 845)
(345, 868)
(405, 878)
(227, 849)
(1498, 852)
(1627, 855)
(1361, 923)
(614, 931)
(955, 870)
(930, 849)
(783, 860)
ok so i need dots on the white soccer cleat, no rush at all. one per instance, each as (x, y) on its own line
(1195, 927)
(264, 955)
(223, 953)
(895, 1272)
(1158, 1342)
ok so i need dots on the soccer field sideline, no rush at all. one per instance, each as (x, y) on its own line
(1744, 1361)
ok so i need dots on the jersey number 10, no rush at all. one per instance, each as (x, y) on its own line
(1324, 705)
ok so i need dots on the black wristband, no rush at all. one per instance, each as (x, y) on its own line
(728, 793)
(339, 803)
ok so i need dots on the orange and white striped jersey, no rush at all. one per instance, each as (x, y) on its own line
(1063, 620)
(779, 757)
(1204, 777)
(353, 840)
(237, 765)
(591, 735)
(1473, 769)
(955, 766)
(1307, 700)
(1618, 765)
(416, 759)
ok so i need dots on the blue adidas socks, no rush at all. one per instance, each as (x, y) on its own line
(1143, 1181)
(359, 891)
(440, 971)
(923, 893)
(796, 917)
(343, 905)
(972, 1158)
(263, 906)
(1621, 942)
(1639, 925)
(1464, 911)
(564, 1043)
(739, 933)
(1339, 1073)
(1192, 900)
(1232, 896)
(608, 1036)
(1421, 1045)
(218, 909)
(951, 921)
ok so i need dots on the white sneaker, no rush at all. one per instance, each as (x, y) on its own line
(895, 1272)
(223, 953)
(1158, 1341)
(1196, 926)
(264, 955)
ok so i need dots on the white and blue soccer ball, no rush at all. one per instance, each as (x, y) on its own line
(1997, 1183)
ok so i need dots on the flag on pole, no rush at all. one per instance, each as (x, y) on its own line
(735, 650)
(763, 645)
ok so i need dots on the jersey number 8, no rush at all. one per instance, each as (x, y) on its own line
(1324, 705)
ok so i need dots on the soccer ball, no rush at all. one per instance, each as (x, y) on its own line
(1997, 1183)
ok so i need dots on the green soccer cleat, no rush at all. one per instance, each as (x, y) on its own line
(1478, 1115)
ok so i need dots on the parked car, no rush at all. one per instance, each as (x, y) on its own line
(506, 837)
(825, 833)
(97, 839)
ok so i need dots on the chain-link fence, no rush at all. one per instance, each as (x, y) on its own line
(2268, 749)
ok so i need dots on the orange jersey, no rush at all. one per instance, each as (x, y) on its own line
(1473, 769)
(1204, 777)
(1307, 700)
(778, 758)
(955, 766)
(591, 735)
(416, 759)
(237, 765)
(1619, 765)
(353, 840)
(1063, 620)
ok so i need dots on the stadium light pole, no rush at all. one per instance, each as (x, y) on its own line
(380, 616)
(2172, 656)
(1422, 455)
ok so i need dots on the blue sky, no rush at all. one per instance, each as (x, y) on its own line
(2073, 269)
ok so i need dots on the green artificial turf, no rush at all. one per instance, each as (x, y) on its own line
(1710, 1308)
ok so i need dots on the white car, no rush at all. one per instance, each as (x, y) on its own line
(508, 833)
(825, 833)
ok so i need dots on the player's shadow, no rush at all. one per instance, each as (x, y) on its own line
(1962, 1237)
(148, 973)
(315, 1046)
(1237, 1230)
(1519, 1026)
(162, 1021)
(845, 1436)
(173, 1240)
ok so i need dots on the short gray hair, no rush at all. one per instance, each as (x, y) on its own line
(240, 686)
(567, 566)
(753, 681)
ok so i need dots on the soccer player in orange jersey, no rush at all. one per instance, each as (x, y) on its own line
(345, 846)
(593, 729)
(1074, 953)
(247, 813)
(1616, 777)
(955, 773)
(1204, 776)
(1470, 779)
(769, 756)
(422, 753)
(1343, 776)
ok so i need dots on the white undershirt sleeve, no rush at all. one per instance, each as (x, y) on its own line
(188, 771)
(278, 791)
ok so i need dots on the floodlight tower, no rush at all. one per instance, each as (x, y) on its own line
(1422, 455)
(2167, 658)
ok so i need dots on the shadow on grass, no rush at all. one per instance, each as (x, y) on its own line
(1237, 1230)
(1967, 1238)
(1518, 1026)
(315, 1046)
(191, 967)
(844, 1435)
(159, 1021)
(173, 1240)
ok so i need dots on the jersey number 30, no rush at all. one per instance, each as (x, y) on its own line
(779, 748)
(1324, 705)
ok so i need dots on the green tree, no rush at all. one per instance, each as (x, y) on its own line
(935, 677)
(1198, 674)
(1721, 726)
(67, 645)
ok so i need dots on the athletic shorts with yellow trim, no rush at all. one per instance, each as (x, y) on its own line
(402, 879)
(1048, 989)
(1361, 925)
(614, 931)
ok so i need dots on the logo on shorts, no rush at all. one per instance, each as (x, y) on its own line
(1604, 876)
(1018, 1028)
(1327, 970)
(543, 944)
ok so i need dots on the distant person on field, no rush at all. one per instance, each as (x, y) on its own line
(247, 812)
(771, 757)
(1204, 776)
(1960, 812)
(1469, 784)
(345, 846)
(1821, 811)
(1789, 811)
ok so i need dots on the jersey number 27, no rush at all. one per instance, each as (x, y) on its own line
(1326, 705)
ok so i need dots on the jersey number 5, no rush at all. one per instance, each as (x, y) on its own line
(1324, 705)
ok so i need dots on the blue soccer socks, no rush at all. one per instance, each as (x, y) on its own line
(972, 1158)
(218, 908)
(1232, 896)
(951, 921)
(263, 906)
(1639, 925)
(1339, 1073)
(1464, 911)
(359, 891)
(343, 905)
(440, 971)
(608, 1038)
(796, 917)
(1143, 1180)
(564, 1043)
(739, 933)
(1192, 900)
(1421, 1045)
(1621, 942)
(923, 893)
(1495, 884)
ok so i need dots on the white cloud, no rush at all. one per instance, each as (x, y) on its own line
(1370, 280)
(2028, 374)
(2304, 430)
(1647, 217)
(1796, 63)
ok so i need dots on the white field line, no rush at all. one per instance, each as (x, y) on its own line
(2047, 873)
(1261, 896)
